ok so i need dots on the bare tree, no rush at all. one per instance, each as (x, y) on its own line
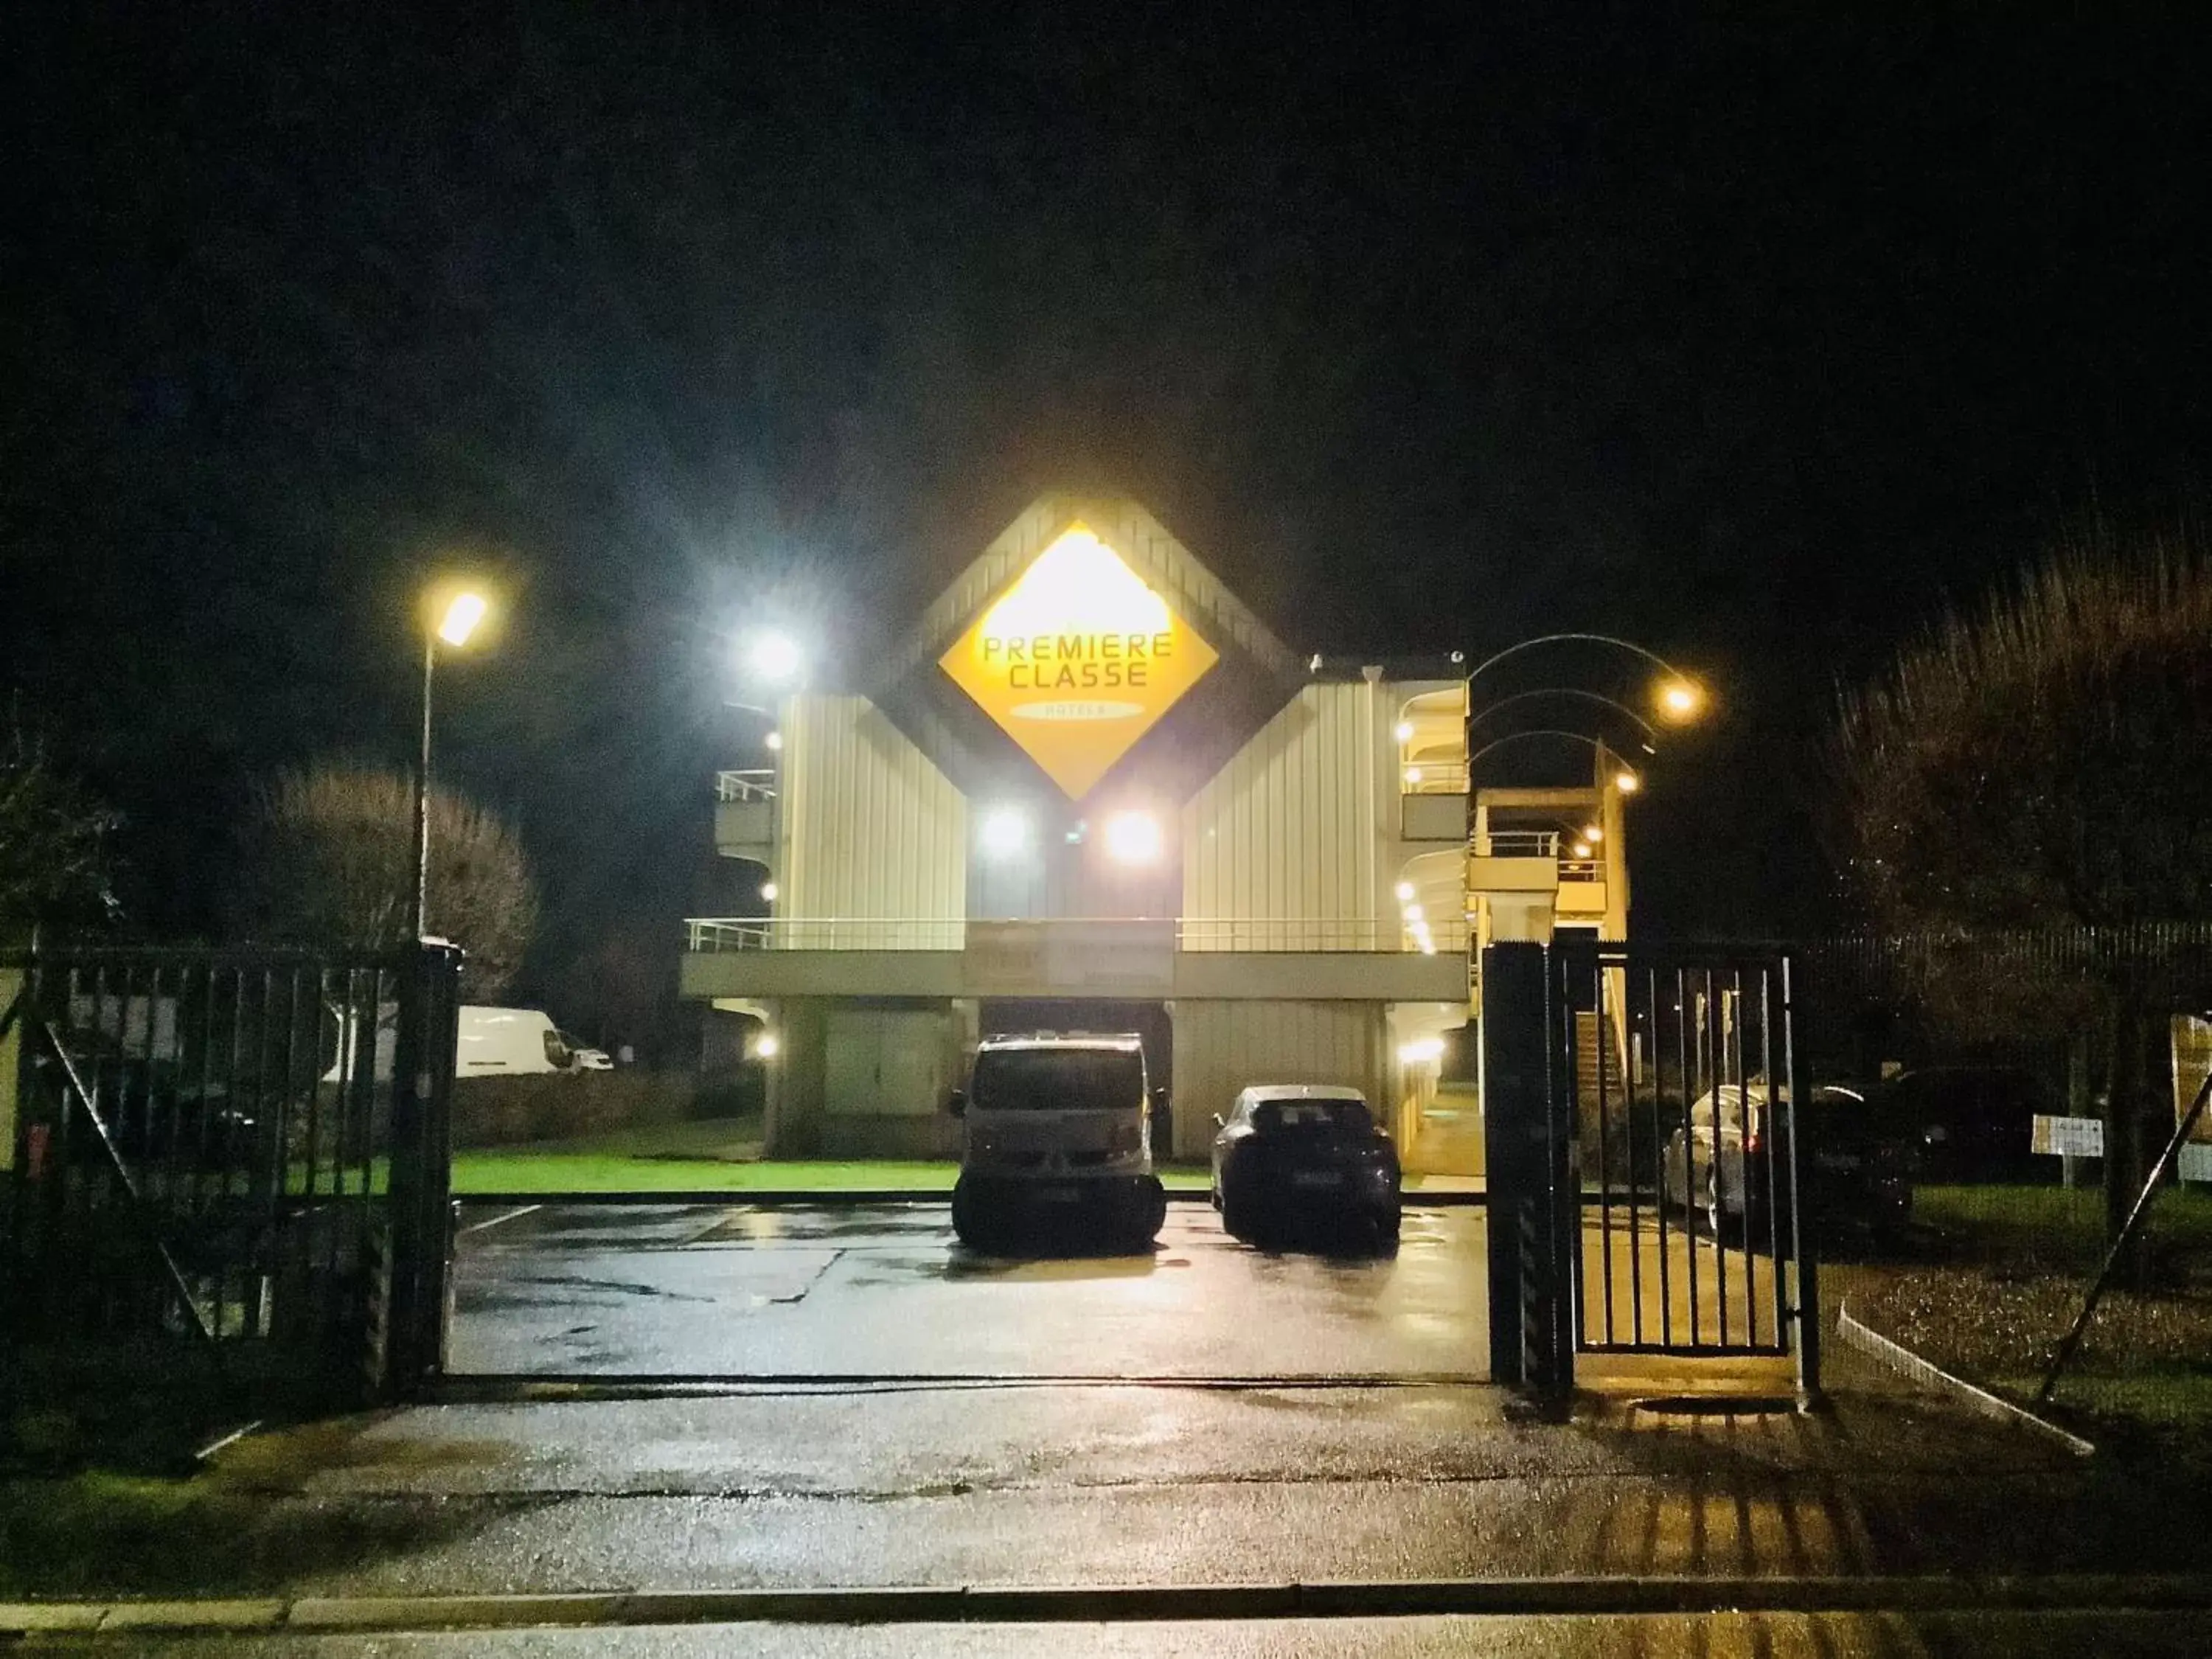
(2038, 763)
(53, 841)
(333, 863)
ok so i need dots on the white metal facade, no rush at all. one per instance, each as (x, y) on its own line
(1295, 827)
(868, 827)
(1222, 1046)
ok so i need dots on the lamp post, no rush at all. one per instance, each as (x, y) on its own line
(463, 611)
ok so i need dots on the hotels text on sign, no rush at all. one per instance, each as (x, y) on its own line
(1078, 659)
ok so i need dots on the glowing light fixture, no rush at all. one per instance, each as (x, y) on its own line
(1403, 732)
(774, 657)
(773, 741)
(1627, 782)
(462, 615)
(765, 1045)
(1679, 700)
(1422, 1051)
(1413, 775)
(1006, 831)
(1133, 838)
(1591, 832)
(1581, 849)
(1413, 912)
(769, 890)
(1405, 891)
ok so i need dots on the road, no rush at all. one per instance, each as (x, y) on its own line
(884, 1290)
(2107, 1634)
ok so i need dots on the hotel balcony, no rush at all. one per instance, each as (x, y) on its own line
(744, 815)
(1236, 958)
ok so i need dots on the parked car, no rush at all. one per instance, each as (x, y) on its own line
(1057, 1135)
(1296, 1153)
(1726, 1162)
(1970, 1123)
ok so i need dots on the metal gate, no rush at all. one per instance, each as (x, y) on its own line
(241, 1153)
(1643, 1149)
(1680, 1073)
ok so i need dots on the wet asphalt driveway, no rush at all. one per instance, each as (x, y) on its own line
(884, 1290)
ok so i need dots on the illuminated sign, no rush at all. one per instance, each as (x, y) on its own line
(1078, 659)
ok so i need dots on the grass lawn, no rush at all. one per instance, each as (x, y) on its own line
(715, 1156)
(1998, 1274)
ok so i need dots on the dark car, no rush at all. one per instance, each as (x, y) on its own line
(1970, 1123)
(1295, 1156)
(1725, 1164)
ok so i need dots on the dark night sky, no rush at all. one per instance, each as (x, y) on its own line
(1750, 332)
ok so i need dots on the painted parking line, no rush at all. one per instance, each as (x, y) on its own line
(480, 1226)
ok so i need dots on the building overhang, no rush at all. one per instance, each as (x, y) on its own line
(1134, 974)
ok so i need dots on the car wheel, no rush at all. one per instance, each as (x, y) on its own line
(1716, 1213)
(1387, 1230)
(967, 1226)
(1236, 1217)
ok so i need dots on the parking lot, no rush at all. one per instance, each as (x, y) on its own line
(883, 1290)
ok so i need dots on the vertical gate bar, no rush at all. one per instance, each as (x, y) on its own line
(261, 1197)
(1564, 1048)
(207, 1040)
(1732, 1037)
(1684, 1026)
(1719, 1029)
(1628, 1126)
(150, 1174)
(1604, 1136)
(1776, 1245)
(1805, 1272)
(1659, 1160)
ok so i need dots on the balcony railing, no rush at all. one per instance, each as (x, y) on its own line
(753, 783)
(1300, 934)
(1433, 777)
(1518, 844)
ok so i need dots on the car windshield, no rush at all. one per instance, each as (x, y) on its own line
(1337, 1117)
(1058, 1080)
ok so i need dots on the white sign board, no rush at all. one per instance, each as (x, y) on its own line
(2196, 1163)
(2068, 1137)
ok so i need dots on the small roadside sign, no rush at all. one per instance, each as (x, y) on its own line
(2068, 1137)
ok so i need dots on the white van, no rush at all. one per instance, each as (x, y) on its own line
(489, 1042)
(516, 1041)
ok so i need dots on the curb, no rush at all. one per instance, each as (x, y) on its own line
(1050, 1604)
(1901, 1359)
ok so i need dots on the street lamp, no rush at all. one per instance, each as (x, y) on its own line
(463, 612)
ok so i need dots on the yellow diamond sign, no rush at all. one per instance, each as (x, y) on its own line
(1078, 659)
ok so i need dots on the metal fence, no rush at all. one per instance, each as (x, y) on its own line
(241, 1150)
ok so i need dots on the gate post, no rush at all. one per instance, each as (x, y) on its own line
(422, 1164)
(1534, 1216)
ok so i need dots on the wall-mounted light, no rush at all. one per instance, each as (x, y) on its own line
(1414, 914)
(1413, 775)
(773, 740)
(1133, 838)
(1006, 831)
(769, 890)
(1403, 731)
(1422, 1051)
(1405, 891)
(1627, 782)
(772, 658)
(1591, 832)
(1581, 849)
(765, 1045)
